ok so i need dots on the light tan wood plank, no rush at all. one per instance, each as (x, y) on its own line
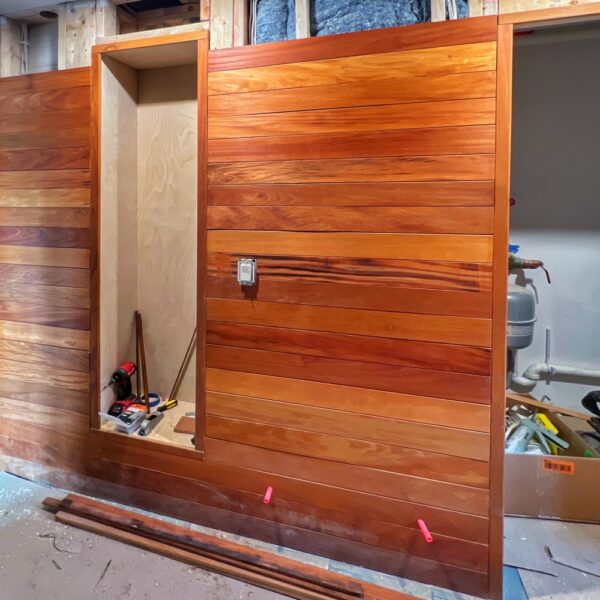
(48, 356)
(45, 198)
(43, 334)
(63, 378)
(50, 257)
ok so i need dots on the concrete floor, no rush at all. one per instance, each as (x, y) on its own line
(41, 559)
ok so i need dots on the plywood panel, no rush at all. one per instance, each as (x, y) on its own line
(427, 62)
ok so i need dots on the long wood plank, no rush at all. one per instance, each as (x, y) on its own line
(451, 113)
(45, 198)
(423, 355)
(477, 167)
(350, 295)
(439, 60)
(46, 395)
(406, 380)
(56, 119)
(48, 295)
(49, 158)
(45, 100)
(347, 44)
(50, 356)
(430, 275)
(39, 314)
(58, 138)
(40, 275)
(437, 193)
(52, 257)
(64, 178)
(387, 91)
(362, 479)
(407, 142)
(382, 456)
(421, 409)
(46, 81)
(43, 334)
(45, 217)
(427, 328)
(68, 379)
(442, 440)
(49, 237)
(383, 220)
(474, 248)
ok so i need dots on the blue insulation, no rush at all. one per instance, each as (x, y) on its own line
(275, 19)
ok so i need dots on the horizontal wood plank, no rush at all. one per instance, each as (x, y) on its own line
(374, 41)
(71, 137)
(386, 91)
(49, 158)
(431, 275)
(452, 113)
(57, 119)
(42, 334)
(45, 198)
(40, 275)
(421, 409)
(40, 314)
(50, 356)
(49, 237)
(51, 257)
(426, 328)
(475, 167)
(48, 295)
(45, 100)
(65, 178)
(50, 80)
(68, 379)
(368, 144)
(382, 220)
(405, 380)
(437, 60)
(45, 217)
(437, 193)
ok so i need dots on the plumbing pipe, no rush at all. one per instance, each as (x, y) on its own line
(536, 371)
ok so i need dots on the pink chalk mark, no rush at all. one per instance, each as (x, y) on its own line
(428, 537)
(268, 495)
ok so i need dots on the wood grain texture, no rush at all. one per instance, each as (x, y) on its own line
(45, 217)
(421, 409)
(51, 158)
(64, 178)
(428, 328)
(420, 115)
(45, 100)
(43, 334)
(55, 316)
(49, 237)
(423, 355)
(51, 356)
(52, 257)
(474, 248)
(477, 167)
(442, 440)
(438, 193)
(432, 61)
(47, 295)
(46, 81)
(429, 275)
(56, 119)
(352, 295)
(383, 220)
(348, 44)
(45, 198)
(40, 275)
(407, 142)
(386, 91)
(54, 376)
(58, 138)
(405, 380)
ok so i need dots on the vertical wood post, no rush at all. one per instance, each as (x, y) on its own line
(10, 50)
(302, 19)
(438, 10)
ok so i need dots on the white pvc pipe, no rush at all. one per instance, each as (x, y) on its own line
(534, 373)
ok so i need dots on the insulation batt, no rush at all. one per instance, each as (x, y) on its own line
(276, 19)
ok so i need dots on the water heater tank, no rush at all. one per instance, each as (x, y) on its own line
(521, 317)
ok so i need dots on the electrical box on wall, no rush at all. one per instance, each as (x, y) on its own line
(246, 271)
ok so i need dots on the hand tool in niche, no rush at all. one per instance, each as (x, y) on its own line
(121, 381)
(172, 399)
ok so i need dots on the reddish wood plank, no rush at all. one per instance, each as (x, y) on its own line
(40, 275)
(46, 81)
(31, 160)
(406, 380)
(482, 29)
(382, 220)
(55, 237)
(45, 100)
(67, 178)
(38, 314)
(458, 86)
(48, 295)
(437, 193)
(370, 144)
(383, 483)
(64, 358)
(431, 275)
(451, 113)
(419, 436)
(424, 355)
(478, 167)
(56, 119)
(45, 217)
(435, 411)
(350, 295)
(425, 328)
(57, 138)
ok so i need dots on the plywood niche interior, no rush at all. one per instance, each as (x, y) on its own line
(148, 217)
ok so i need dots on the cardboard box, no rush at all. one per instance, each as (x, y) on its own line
(565, 487)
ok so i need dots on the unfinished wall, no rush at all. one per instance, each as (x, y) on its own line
(43, 47)
(555, 180)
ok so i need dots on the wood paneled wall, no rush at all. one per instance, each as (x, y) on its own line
(356, 378)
